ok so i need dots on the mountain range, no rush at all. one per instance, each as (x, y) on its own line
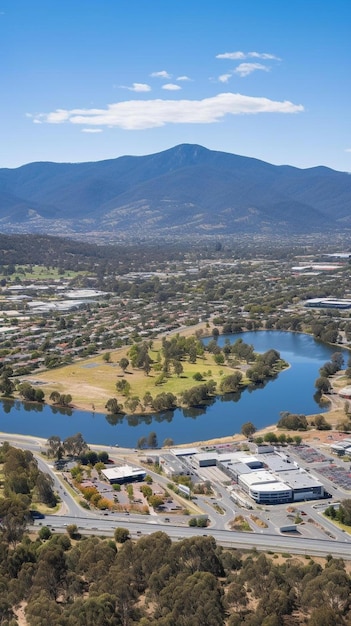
(182, 192)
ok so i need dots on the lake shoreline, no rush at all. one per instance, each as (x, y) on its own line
(220, 421)
(236, 438)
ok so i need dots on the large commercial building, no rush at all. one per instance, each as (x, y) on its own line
(264, 488)
(124, 474)
(342, 447)
(268, 478)
(328, 303)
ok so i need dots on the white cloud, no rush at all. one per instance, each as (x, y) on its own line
(183, 78)
(171, 87)
(141, 114)
(234, 56)
(348, 150)
(91, 130)
(161, 74)
(262, 55)
(244, 69)
(224, 78)
(139, 87)
(56, 117)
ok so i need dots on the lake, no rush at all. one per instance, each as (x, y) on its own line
(293, 391)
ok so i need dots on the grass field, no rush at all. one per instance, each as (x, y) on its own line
(93, 381)
(39, 272)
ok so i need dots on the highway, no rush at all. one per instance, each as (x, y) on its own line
(313, 540)
(293, 544)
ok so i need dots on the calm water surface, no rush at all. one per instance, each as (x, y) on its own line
(293, 390)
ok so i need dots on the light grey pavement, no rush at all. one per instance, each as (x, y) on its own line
(316, 537)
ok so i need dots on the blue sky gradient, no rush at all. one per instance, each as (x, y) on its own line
(87, 80)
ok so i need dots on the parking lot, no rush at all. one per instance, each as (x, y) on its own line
(326, 466)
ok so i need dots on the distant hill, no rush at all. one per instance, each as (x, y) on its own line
(185, 191)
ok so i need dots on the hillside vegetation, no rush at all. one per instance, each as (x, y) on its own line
(182, 193)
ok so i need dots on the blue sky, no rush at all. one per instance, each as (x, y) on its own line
(87, 80)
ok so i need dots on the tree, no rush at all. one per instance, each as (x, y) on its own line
(164, 401)
(123, 387)
(147, 399)
(292, 421)
(55, 448)
(156, 501)
(55, 397)
(42, 609)
(65, 399)
(6, 386)
(132, 403)
(152, 440)
(146, 490)
(322, 384)
(44, 488)
(51, 570)
(45, 533)
(192, 354)
(107, 357)
(219, 359)
(248, 429)
(103, 456)
(215, 333)
(29, 393)
(231, 384)
(324, 616)
(197, 376)
(168, 442)
(147, 364)
(39, 395)
(123, 363)
(178, 368)
(75, 445)
(271, 437)
(113, 407)
(14, 512)
(338, 359)
(72, 531)
(121, 535)
(236, 595)
(321, 423)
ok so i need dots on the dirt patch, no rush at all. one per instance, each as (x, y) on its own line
(259, 522)
(20, 615)
(240, 523)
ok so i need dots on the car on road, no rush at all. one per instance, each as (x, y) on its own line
(36, 514)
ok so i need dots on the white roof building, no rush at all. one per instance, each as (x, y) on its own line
(124, 474)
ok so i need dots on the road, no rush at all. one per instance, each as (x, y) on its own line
(293, 544)
(315, 542)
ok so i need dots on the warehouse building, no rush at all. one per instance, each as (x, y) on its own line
(124, 474)
(264, 488)
(328, 303)
(267, 488)
(269, 478)
(342, 447)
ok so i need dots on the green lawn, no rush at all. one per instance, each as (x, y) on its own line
(93, 381)
(39, 272)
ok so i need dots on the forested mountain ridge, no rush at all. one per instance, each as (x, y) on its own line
(187, 190)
